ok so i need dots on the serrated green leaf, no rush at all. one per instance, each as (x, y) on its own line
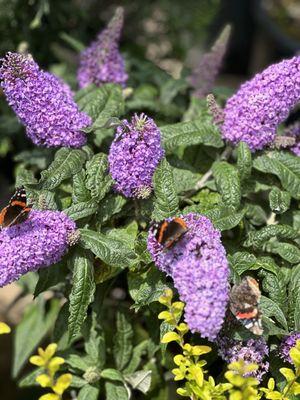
(241, 262)
(270, 328)
(116, 390)
(285, 166)
(184, 179)
(294, 299)
(82, 291)
(140, 380)
(24, 176)
(280, 231)
(111, 251)
(224, 218)
(80, 193)
(190, 133)
(98, 180)
(49, 277)
(122, 341)
(112, 375)
(77, 382)
(244, 161)
(166, 201)
(146, 287)
(228, 183)
(95, 342)
(275, 286)
(77, 361)
(270, 309)
(31, 330)
(81, 210)
(255, 214)
(110, 205)
(29, 379)
(89, 392)
(287, 251)
(101, 103)
(67, 162)
(279, 200)
(136, 357)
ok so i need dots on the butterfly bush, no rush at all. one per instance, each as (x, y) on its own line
(253, 114)
(134, 155)
(287, 343)
(199, 269)
(43, 103)
(251, 351)
(102, 62)
(39, 241)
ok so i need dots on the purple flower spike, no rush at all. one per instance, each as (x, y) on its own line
(102, 62)
(43, 103)
(199, 268)
(253, 114)
(294, 131)
(251, 351)
(134, 156)
(203, 77)
(38, 242)
(287, 343)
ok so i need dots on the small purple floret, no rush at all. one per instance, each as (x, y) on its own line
(287, 343)
(38, 242)
(43, 103)
(102, 62)
(253, 114)
(134, 155)
(199, 268)
(251, 351)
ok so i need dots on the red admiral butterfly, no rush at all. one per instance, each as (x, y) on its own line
(167, 233)
(244, 301)
(16, 211)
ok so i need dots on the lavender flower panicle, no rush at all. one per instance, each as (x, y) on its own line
(293, 131)
(287, 343)
(253, 114)
(203, 77)
(102, 62)
(134, 155)
(251, 351)
(38, 242)
(199, 268)
(43, 103)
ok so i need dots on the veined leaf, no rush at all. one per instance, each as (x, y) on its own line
(80, 192)
(81, 210)
(270, 309)
(224, 218)
(49, 277)
(122, 341)
(287, 251)
(279, 200)
(140, 380)
(82, 291)
(88, 392)
(110, 205)
(241, 261)
(244, 161)
(166, 200)
(116, 390)
(228, 183)
(98, 180)
(67, 162)
(190, 133)
(258, 238)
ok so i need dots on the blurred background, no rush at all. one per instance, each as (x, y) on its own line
(171, 34)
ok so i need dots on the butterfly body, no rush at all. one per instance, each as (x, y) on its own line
(244, 304)
(16, 211)
(167, 233)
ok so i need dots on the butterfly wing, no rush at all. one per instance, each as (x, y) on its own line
(17, 211)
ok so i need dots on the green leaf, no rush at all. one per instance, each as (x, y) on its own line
(77, 382)
(112, 375)
(275, 286)
(111, 251)
(67, 162)
(279, 200)
(228, 183)
(270, 329)
(49, 277)
(24, 176)
(287, 251)
(140, 380)
(82, 291)
(29, 379)
(294, 299)
(171, 88)
(241, 262)
(285, 166)
(190, 133)
(244, 161)
(77, 361)
(116, 391)
(88, 392)
(184, 179)
(101, 103)
(136, 357)
(31, 330)
(224, 218)
(110, 206)
(95, 343)
(98, 180)
(166, 201)
(270, 309)
(258, 238)
(80, 192)
(81, 210)
(147, 286)
(122, 341)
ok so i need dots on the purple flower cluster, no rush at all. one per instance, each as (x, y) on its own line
(39, 241)
(203, 77)
(287, 343)
(199, 268)
(294, 131)
(43, 103)
(102, 62)
(253, 114)
(134, 155)
(251, 351)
